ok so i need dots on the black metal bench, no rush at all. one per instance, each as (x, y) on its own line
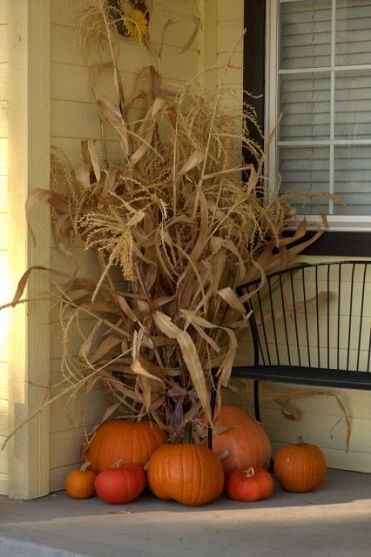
(311, 325)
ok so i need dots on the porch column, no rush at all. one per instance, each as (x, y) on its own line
(29, 167)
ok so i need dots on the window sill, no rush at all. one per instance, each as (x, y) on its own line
(336, 223)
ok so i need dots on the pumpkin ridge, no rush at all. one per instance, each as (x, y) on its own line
(162, 472)
(144, 441)
(117, 441)
(139, 442)
(168, 469)
(182, 472)
(305, 470)
(132, 440)
(200, 460)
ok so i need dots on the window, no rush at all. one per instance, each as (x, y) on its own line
(318, 76)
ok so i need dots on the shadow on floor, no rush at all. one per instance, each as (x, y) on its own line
(339, 488)
(331, 522)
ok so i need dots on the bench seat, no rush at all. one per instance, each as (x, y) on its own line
(310, 325)
(306, 376)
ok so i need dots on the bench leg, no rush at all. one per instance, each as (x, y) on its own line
(256, 401)
(210, 429)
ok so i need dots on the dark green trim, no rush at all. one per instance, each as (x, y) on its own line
(347, 244)
(254, 62)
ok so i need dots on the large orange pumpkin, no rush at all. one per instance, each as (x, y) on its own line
(244, 439)
(190, 474)
(123, 440)
(301, 467)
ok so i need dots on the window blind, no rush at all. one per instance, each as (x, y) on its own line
(324, 96)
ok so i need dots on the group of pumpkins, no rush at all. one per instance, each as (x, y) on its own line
(124, 456)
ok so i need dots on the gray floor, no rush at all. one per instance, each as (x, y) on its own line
(333, 521)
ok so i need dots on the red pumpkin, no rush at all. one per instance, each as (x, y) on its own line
(79, 483)
(242, 438)
(120, 485)
(190, 474)
(300, 468)
(125, 441)
(253, 484)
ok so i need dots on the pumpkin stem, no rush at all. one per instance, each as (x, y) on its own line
(250, 472)
(118, 464)
(301, 441)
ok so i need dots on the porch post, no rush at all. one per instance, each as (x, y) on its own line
(29, 167)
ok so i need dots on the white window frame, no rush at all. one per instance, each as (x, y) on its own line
(335, 222)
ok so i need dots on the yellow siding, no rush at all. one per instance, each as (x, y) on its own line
(74, 117)
(229, 46)
(4, 272)
(230, 42)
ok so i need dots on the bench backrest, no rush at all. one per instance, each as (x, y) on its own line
(316, 316)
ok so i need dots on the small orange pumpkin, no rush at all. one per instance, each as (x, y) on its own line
(301, 467)
(120, 485)
(188, 473)
(125, 441)
(253, 484)
(79, 482)
(244, 439)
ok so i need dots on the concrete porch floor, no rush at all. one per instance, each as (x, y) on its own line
(333, 521)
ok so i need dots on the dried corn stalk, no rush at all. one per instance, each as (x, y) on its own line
(175, 230)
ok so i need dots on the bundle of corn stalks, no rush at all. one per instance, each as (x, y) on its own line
(176, 225)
